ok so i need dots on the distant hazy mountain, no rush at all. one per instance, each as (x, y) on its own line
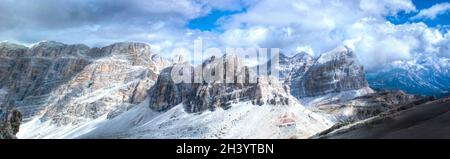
(425, 75)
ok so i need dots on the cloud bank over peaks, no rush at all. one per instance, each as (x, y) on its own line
(101, 22)
(312, 26)
(433, 11)
(324, 25)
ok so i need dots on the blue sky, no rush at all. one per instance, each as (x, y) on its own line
(312, 26)
(210, 22)
(311, 29)
(440, 20)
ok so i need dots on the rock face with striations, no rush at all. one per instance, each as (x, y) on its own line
(111, 84)
(29, 75)
(239, 83)
(294, 67)
(335, 71)
(75, 83)
(9, 124)
(289, 68)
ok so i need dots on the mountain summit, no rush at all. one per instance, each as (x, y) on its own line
(334, 71)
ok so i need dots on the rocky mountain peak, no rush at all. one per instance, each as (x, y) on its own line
(9, 45)
(52, 49)
(292, 67)
(12, 50)
(49, 44)
(138, 53)
(341, 53)
(128, 48)
(302, 56)
(334, 71)
(233, 85)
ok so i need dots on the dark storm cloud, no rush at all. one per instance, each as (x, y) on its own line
(54, 14)
(94, 21)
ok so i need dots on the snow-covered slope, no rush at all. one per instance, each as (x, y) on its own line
(38, 129)
(426, 75)
(242, 120)
(335, 97)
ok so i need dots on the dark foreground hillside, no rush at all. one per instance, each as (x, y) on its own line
(426, 121)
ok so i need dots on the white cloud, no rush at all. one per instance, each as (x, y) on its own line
(433, 11)
(378, 43)
(306, 49)
(314, 26)
(250, 37)
(101, 22)
(387, 7)
(444, 46)
(324, 25)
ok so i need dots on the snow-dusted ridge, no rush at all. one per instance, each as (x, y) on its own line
(125, 92)
(71, 116)
(335, 97)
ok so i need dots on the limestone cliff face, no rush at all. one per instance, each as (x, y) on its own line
(74, 83)
(335, 71)
(291, 68)
(235, 83)
(338, 79)
(9, 124)
(29, 75)
(332, 72)
(115, 82)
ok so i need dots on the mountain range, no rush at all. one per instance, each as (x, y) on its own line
(125, 91)
(424, 75)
